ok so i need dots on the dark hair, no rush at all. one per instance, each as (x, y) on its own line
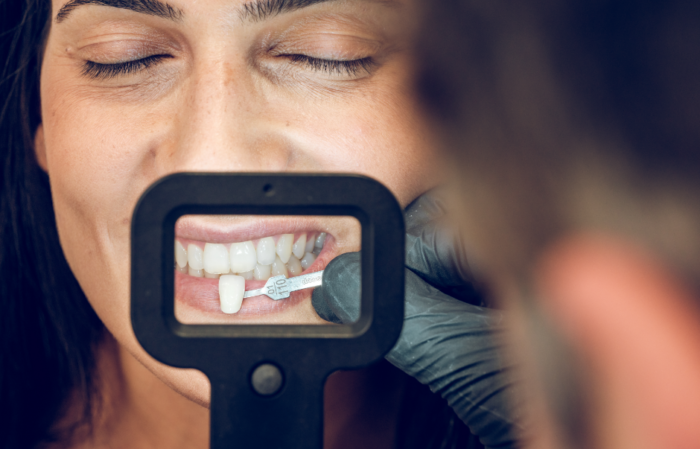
(48, 330)
(47, 327)
(565, 114)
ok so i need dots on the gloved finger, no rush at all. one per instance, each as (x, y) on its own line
(445, 344)
(435, 253)
(322, 305)
(453, 348)
(338, 299)
(423, 211)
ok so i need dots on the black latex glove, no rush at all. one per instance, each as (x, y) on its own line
(446, 344)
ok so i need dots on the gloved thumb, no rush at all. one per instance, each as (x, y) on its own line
(338, 299)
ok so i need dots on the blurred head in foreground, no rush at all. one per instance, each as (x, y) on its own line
(576, 126)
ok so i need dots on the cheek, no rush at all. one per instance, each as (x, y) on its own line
(382, 135)
(392, 154)
(97, 157)
(102, 153)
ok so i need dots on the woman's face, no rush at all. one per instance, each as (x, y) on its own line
(134, 90)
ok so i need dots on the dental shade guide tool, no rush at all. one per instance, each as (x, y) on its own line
(267, 379)
(280, 287)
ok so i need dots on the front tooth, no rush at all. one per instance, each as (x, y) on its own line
(243, 257)
(194, 257)
(307, 261)
(209, 275)
(310, 243)
(294, 266)
(231, 290)
(248, 275)
(216, 258)
(299, 246)
(266, 251)
(278, 267)
(180, 254)
(262, 272)
(284, 246)
(320, 240)
(196, 273)
(182, 269)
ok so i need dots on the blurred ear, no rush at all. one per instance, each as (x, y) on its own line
(40, 147)
(638, 328)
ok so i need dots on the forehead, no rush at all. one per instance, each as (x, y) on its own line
(176, 10)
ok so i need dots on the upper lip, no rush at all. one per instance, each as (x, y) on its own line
(230, 229)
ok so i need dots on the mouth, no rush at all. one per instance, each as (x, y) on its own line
(215, 266)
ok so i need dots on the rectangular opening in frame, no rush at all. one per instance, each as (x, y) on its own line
(244, 270)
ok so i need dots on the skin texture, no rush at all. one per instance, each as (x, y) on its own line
(226, 98)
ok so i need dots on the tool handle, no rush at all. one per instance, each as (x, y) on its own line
(243, 419)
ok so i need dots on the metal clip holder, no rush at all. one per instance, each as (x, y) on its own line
(280, 287)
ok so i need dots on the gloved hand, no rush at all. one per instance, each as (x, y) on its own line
(445, 343)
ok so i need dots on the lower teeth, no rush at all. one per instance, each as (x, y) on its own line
(307, 260)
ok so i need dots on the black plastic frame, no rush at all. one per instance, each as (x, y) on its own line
(307, 354)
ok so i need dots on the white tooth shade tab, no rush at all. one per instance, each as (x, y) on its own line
(299, 247)
(266, 251)
(284, 246)
(320, 240)
(278, 267)
(310, 243)
(262, 272)
(294, 266)
(194, 257)
(243, 257)
(307, 261)
(180, 255)
(216, 258)
(231, 290)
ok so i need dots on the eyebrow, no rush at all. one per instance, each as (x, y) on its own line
(258, 10)
(150, 7)
(254, 11)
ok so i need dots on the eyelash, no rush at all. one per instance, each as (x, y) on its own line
(335, 67)
(331, 66)
(105, 71)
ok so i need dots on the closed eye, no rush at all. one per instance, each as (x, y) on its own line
(354, 67)
(99, 70)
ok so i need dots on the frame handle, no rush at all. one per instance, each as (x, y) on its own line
(244, 419)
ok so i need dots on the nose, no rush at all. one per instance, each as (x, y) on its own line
(224, 123)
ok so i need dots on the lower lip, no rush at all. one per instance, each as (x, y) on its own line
(203, 293)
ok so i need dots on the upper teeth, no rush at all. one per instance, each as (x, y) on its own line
(271, 256)
(242, 257)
